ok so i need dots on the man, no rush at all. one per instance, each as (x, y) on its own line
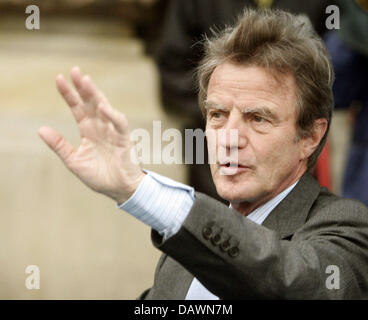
(269, 79)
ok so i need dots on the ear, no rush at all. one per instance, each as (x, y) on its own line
(311, 142)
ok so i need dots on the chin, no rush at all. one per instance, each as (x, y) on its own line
(232, 195)
(238, 191)
(233, 188)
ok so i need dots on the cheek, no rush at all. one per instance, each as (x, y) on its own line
(211, 138)
(212, 146)
(214, 170)
(276, 154)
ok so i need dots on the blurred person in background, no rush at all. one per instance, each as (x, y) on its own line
(179, 52)
(348, 48)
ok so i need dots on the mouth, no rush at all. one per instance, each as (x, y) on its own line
(232, 168)
(232, 165)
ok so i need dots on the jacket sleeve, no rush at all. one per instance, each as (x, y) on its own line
(146, 294)
(236, 258)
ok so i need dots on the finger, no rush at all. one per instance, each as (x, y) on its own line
(76, 77)
(117, 118)
(57, 143)
(71, 97)
(101, 115)
(90, 93)
(87, 90)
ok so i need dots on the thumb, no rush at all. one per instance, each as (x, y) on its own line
(56, 142)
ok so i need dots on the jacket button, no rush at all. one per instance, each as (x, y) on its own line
(225, 245)
(216, 240)
(233, 252)
(207, 233)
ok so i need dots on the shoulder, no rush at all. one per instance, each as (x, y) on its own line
(333, 206)
(333, 215)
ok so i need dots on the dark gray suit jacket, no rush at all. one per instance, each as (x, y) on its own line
(285, 258)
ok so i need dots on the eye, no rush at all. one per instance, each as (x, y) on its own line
(215, 115)
(258, 119)
(260, 123)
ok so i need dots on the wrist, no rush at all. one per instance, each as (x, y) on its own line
(123, 197)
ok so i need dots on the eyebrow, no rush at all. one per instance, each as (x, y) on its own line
(213, 105)
(261, 110)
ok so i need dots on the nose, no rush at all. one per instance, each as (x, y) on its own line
(233, 135)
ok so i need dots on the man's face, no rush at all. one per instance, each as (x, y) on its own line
(266, 155)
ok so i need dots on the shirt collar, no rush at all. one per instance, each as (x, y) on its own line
(261, 213)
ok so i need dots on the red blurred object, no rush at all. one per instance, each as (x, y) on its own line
(322, 172)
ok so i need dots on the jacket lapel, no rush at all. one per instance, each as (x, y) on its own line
(291, 213)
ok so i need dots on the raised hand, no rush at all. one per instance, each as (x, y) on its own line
(106, 159)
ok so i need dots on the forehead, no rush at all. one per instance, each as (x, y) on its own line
(238, 85)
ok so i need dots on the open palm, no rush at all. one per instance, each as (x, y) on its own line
(106, 159)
